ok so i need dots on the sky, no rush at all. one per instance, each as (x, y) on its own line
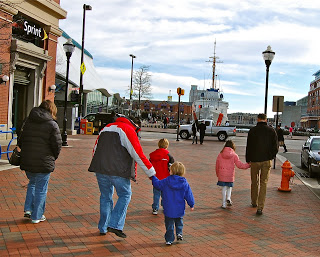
(176, 38)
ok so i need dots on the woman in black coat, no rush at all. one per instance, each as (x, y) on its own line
(195, 129)
(40, 143)
(281, 138)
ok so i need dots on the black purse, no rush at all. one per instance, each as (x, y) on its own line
(15, 157)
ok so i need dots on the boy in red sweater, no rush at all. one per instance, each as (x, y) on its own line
(161, 161)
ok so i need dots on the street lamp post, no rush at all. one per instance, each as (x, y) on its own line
(132, 57)
(68, 48)
(80, 111)
(268, 56)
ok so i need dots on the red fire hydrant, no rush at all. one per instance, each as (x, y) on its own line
(287, 173)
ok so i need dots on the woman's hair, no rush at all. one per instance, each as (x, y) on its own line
(163, 143)
(229, 143)
(178, 169)
(50, 107)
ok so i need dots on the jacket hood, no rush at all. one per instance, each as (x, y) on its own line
(39, 115)
(227, 153)
(176, 182)
(129, 122)
(158, 154)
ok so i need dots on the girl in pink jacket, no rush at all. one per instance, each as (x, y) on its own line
(225, 171)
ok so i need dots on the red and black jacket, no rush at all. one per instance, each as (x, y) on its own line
(116, 150)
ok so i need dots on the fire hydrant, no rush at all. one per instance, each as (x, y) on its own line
(287, 173)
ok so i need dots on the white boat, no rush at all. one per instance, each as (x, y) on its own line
(209, 103)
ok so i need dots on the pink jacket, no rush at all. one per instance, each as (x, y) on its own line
(225, 165)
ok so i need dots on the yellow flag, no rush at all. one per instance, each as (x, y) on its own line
(83, 68)
(45, 36)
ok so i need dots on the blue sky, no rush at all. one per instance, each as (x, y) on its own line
(176, 39)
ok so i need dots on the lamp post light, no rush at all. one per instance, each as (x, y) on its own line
(80, 111)
(132, 57)
(268, 56)
(68, 48)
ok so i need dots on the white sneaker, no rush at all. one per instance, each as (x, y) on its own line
(43, 218)
(229, 202)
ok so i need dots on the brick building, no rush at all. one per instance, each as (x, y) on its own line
(163, 108)
(28, 43)
(312, 119)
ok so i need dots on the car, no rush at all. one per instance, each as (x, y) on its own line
(100, 120)
(310, 155)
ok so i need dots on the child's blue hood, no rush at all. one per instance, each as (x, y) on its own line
(176, 182)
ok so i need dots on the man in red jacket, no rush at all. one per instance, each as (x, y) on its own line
(161, 161)
(116, 151)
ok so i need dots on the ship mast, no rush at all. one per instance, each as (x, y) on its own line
(214, 61)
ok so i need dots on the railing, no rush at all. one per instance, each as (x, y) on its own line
(13, 137)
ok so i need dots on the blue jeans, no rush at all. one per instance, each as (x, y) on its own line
(36, 194)
(113, 216)
(170, 222)
(156, 198)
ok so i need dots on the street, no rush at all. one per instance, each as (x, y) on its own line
(293, 154)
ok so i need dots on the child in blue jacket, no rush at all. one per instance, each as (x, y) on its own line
(175, 191)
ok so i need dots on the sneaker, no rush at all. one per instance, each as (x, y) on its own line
(168, 243)
(27, 214)
(179, 237)
(118, 232)
(154, 211)
(43, 218)
(223, 206)
(229, 203)
(259, 212)
(254, 205)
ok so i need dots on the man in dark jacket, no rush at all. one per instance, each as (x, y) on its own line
(262, 147)
(116, 151)
(202, 128)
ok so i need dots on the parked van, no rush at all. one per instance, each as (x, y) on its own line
(100, 120)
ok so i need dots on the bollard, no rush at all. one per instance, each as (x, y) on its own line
(287, 173)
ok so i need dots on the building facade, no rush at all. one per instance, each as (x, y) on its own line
(312, 119)
(29, 34)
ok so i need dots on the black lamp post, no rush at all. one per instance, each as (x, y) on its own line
(268, 56)
(80, 111)
(68, 48)
(132, 57)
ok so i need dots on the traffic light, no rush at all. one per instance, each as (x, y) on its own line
(180, 91)
(74, 96)
(200, 106)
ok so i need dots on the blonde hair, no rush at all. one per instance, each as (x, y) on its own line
(229, 143)
(50, 107)
(178, 169)
(163, 143)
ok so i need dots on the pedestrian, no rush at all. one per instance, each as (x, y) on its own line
(40, 143)
(290, 131)
(195, 131)
(161, 160)
(116, 150)
(165, 122)
(225, 170)
(202, 129)
(175, 191)
(262, 147)
(281, 138)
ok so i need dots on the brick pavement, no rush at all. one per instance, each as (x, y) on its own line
(289, 226)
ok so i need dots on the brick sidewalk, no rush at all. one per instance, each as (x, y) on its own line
(289, 226)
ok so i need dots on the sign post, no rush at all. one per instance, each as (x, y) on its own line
(180, 92)
(277, 107)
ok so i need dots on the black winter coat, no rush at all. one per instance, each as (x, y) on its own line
(40, 142)
(262, 143)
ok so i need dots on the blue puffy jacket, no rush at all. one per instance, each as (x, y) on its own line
(175, 190)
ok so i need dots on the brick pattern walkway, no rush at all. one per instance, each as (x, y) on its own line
(289, 226)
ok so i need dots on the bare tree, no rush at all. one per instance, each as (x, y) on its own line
(142, 84)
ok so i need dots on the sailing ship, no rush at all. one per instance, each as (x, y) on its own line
(209, 103)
